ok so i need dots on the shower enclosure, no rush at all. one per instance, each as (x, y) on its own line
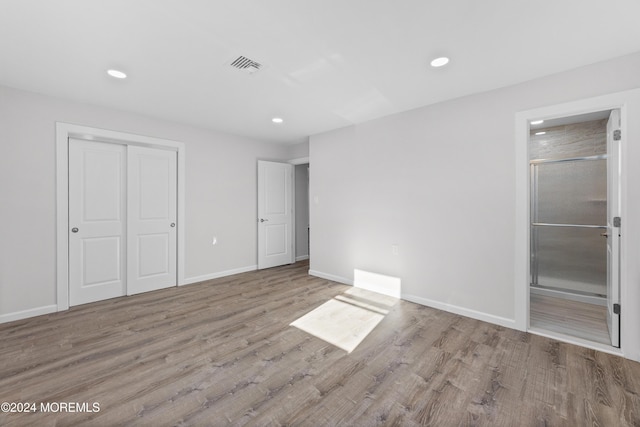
(574, 229)
(569, 224)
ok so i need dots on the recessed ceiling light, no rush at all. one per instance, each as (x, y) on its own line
(277, 120)
(439, 62)
(537, 122)
(117, 74)
(540, 133)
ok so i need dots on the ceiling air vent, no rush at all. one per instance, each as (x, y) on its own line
(245, 64)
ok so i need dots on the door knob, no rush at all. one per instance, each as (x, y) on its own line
(263, 220)
(173, 224)
(605, 234)
(74, 230)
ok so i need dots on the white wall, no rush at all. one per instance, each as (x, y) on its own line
(220, 193)
(299, 150)
(439, 182)
(302, 210)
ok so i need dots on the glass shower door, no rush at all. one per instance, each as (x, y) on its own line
(569, 223)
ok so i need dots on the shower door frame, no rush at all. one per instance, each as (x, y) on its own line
(535, 224)
(627, 102)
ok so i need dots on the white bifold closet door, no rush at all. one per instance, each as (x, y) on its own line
(122, 220)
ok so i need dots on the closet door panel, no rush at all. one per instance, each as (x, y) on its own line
(151, 219)
(97, 195)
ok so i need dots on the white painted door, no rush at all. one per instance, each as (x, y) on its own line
(97, 189)
(613, 232)
(151, 219)
(275, 214)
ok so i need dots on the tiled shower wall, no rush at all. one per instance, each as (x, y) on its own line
(574, 140)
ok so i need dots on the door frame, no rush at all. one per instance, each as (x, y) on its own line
(295, 162)
(64, 131)
(628, 102)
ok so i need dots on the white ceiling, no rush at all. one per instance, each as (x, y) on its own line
(328, 63)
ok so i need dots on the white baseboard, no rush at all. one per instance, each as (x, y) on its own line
(302, 257)
(490, 318)
(219, 274)
(331, 277)
(379, 283)
(24, 314)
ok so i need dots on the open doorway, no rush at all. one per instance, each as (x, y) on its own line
(302, 230)
(283, 212)
(575, 226)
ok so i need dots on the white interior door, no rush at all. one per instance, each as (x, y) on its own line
(151, 219)
(275, 214)
(97, 188)
(613, 230)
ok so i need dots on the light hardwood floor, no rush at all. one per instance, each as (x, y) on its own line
(223, 352)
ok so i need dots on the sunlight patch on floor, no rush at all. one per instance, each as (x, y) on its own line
(346, 320)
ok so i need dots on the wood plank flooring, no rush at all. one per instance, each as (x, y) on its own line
(223, 353)
(573, 318)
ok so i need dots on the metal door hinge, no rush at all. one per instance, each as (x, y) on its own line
(617, 135)
(616, 308)
(616, 221)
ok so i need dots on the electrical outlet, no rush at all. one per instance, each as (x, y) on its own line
(394, 249)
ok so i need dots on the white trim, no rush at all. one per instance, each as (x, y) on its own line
(219, 274)
(294, 232)
(182, 217)
(299, 161)
(502, 321)
(331, 277)
(64, 131)
(629, 104)
(521, 237)
(24, 314)
(376, 282)
(462, 311)
(62, 217)
(295, 162)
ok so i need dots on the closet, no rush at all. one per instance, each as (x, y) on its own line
(122, 213)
